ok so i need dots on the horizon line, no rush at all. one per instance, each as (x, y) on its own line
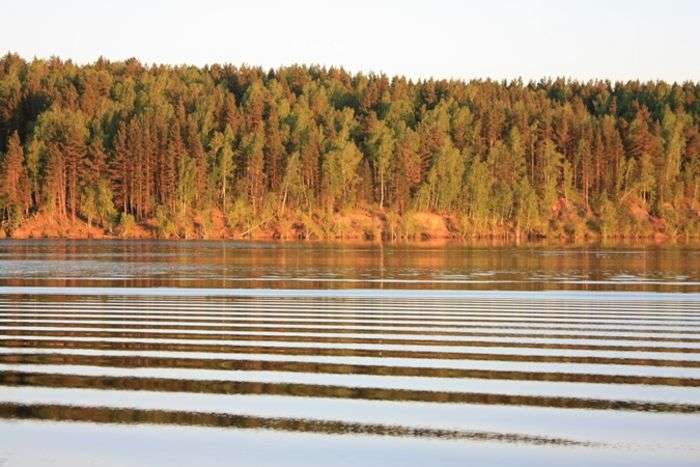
(367, 73)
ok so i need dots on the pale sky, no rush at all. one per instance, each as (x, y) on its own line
(611, 39)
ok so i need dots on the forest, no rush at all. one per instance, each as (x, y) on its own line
(125, 149)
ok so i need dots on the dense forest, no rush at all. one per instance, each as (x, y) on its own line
(134, 150)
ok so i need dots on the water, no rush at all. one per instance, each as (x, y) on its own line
(163, 353)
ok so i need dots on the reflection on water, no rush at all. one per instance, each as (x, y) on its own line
(162, 417)
(420, 356)
(319, 266)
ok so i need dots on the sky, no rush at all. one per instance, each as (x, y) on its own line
(534, 39)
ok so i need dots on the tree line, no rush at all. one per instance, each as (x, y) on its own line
(121, 143)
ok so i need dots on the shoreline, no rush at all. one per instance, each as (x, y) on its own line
(497, 242)
(359, 226)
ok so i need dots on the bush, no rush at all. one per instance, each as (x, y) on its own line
(165, 224)
(239, 215)
(14, 219)
(126, 225)
(609, 220)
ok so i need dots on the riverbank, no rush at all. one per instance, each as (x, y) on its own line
(353, 225)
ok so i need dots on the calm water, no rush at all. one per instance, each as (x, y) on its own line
(208, 353)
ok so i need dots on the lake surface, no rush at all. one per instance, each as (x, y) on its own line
(162, 353)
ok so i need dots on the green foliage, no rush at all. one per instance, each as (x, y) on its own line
(221, 162)
(294, 192)
(88, 203)
(444, 181)
(527, 216)
(609, 223)
(551, 175)
(478, 187)
(126, 225)
(186, 186)
(339, 174)
(59, 139)
(381, 146)
(165, 222)
(104, 204)
(239, 215)
(13, 217)
(646, 184)
(96, 203)
(301, 144)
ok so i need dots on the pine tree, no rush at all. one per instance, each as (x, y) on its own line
(500, 157)
(14, 184)
(14, 174)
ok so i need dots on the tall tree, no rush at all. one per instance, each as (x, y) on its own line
(381, 146)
